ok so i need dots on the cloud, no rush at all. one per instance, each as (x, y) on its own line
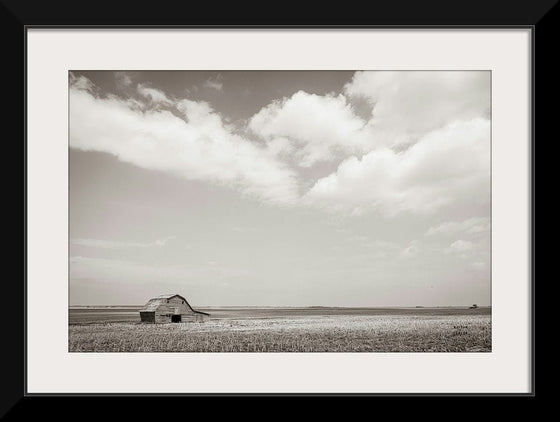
(425, 147)
(320, 126)
(411, 250)
(243, 229)
(460, 247)
(154, 95)
(131, 272)
(162, 242)
(478, 266)
(408, 104)
(214, 83)
(281, 147)
(472, 225)
(116, 274)
(405, 106)
(81, 83)
(107, 244)
(123, 80)
(113, 244)
(446, 166)
(368, 242)
(196, 146)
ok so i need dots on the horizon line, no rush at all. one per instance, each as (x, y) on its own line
(301, 306)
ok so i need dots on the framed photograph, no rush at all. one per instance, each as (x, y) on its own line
(279, 210)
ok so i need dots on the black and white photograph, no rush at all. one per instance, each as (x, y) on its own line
(279, 211)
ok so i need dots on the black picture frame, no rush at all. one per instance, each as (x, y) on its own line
(17, 17)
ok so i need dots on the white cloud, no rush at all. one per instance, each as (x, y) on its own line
(198, 147)
(214, 83)
(446, 166)
(408, 104)
(411, 250)
(123, 79)
(280, 147)
(472, 225)
(243, 229)
(321, 126)
(118, 273)
(131, 272)
(155, 95)
(107, 244)
(405, 107)
(443, 157)
(81, 82)
(478, 266)
(460, 247)
(115, 244)
(368, 242)
(162, 242)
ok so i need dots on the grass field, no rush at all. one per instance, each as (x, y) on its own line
(315, 329)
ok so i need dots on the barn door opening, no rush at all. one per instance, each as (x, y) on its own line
(175, 318)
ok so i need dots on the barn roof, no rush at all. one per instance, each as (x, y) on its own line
(150, 307)
(168, 296)
(154, 302)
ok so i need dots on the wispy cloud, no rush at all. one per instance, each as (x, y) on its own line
(243, 229)
(411, 249)
(194, 143)
(445, 159)
(478, 266)
(113, 244)
(472, 225)
(321, 127)
(444, 167)
(215, 83)
(155, 95)
(407, 105)
(123, 80)
(368, 242)
(162, 242)
(81, 83)
(460, 247)
(133, 272)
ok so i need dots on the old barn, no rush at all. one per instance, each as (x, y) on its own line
(170, 308)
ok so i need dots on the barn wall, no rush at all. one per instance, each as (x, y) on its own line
(162, 318)
(177, 303)
(188, 317)
(181, 303)
(147, 317)
(165, 308)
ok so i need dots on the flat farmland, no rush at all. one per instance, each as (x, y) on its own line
(262, 329)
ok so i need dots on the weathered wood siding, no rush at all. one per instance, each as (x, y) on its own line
(162, 318)
(174, 306)
(177, 301)
(147, 316)
(165, 308)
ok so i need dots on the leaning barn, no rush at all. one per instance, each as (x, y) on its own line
(170, 308)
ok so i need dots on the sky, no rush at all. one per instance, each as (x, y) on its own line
(280, 188)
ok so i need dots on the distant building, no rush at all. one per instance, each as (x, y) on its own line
(170, 308)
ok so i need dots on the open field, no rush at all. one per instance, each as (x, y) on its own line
(315, 329)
